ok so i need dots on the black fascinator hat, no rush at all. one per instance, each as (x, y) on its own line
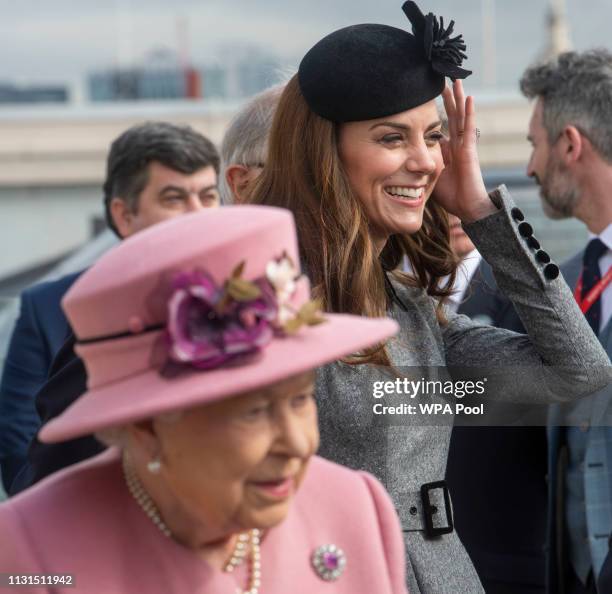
(370, 71)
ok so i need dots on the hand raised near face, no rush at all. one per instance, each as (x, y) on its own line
(460, 189)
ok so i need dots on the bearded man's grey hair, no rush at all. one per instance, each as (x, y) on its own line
(576, 89)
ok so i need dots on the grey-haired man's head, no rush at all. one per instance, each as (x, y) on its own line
(572, 114)
(245, 145)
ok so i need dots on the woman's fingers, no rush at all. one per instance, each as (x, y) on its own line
(470, 122)
(461, 116)
(459, 97)
(449, 106)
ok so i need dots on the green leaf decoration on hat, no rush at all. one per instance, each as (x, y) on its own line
(308, 315)
(238, 289)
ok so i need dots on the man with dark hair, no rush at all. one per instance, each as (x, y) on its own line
(145, 175)
(155, 171)
(571, 160)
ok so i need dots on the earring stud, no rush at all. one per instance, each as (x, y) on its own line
(154, 466)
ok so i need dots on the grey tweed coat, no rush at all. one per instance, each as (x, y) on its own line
(404, 454)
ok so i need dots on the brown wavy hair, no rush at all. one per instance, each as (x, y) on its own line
(304, 174)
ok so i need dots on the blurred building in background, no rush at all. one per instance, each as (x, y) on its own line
(34, 93)
(164, 76)
(141, 83)
(558, 30)
(215, 82)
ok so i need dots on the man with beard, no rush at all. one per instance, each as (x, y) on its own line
(571, 135)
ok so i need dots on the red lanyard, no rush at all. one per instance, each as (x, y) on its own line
(594, 293)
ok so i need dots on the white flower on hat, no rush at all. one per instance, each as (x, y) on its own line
(282, 274)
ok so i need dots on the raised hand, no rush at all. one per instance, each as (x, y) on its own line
(460, 189)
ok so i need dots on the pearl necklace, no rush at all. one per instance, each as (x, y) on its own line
(248, 542)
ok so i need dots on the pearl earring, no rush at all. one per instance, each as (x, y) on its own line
(154, 466)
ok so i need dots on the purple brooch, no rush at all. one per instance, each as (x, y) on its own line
(329, 562)
(210, 324)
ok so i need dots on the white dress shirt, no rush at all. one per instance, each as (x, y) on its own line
(465, 272)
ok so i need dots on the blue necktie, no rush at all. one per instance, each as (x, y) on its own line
(591, 275)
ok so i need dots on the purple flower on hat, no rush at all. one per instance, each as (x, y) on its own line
(210, 324)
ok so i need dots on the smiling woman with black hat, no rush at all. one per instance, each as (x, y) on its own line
(356, 151)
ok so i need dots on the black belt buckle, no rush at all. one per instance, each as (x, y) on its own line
(429, 509)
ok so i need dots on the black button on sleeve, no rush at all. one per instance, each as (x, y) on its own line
(525, 229)
(517, 214)
(551, 271)
(533, 243)
(542, 256)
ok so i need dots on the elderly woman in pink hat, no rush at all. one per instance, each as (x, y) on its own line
(200, 343)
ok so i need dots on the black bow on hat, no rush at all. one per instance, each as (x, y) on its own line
(445, 53)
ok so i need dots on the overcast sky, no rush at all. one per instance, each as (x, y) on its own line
(60, 40)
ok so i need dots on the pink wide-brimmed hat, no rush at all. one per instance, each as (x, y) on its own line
(196, 309)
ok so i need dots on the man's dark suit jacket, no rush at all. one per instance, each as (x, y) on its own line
(496, 476)
(39, 332)
(604, 583)
(67, 381)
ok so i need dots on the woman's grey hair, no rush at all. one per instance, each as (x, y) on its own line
(246, 140)
(113, 436)
(118, 436)
(576, 89)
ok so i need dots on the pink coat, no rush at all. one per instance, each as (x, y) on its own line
(83, 521)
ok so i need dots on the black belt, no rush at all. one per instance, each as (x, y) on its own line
(422, 509)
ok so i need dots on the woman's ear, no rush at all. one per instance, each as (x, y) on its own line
(144, 438)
